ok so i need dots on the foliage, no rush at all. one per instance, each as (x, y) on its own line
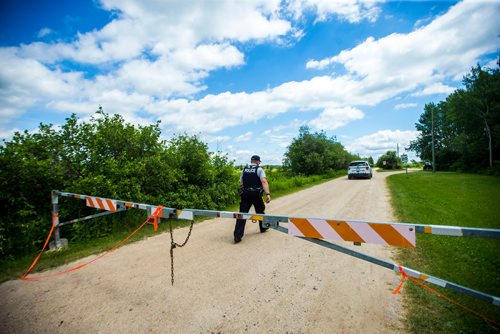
(459, 200)
(466, 125)
(392, 161)
(282, 183)
(105, 157)
(315, 153)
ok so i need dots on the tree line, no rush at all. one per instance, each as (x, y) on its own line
(108, 157)
(104, 157)
(465, 126)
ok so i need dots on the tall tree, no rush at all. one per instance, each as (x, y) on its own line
(315, 153)
(466, 124)
(482, 87)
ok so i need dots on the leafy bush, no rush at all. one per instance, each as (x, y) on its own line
(389, 161)
(104, 157)
(315, 154)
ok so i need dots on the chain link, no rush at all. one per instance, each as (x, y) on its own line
(173, 245)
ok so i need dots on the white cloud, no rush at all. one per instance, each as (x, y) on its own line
(162, 26)
(353, 11)
(405, 106)
(44, 32)
(154, 56)
(331, 119)
(440, 50)
(382, 141)
(26, 82)
(215, 139)
(436, 88)
(244, 137)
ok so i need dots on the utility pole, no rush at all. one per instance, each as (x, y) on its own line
(432, 129)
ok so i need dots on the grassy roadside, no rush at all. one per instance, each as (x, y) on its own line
(450, 199)
(13, 269)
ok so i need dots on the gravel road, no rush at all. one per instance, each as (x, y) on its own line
(269, 282)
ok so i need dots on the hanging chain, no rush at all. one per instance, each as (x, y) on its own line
(173, 245)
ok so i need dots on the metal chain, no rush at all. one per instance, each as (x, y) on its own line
(173, 245)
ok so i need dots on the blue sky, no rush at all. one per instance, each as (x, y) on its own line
(243, 75)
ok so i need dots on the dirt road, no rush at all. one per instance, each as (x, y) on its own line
(269, 282)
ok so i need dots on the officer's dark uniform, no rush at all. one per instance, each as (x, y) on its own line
(251, 195)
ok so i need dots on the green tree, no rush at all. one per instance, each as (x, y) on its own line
(466, 124)
(107, 157)
(315, 153)
(391, 161)
(482, 92)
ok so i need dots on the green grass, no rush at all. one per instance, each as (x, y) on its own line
(450, 199)
(15, 268)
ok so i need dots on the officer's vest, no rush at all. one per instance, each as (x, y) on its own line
(250, 177)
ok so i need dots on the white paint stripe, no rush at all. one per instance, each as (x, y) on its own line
(325, 229)
(90, 202)
(436, 281)
(293, 230)
(225, 214)
(447, 230)
(406, 233)
(187, 215)
(105, 204)
(367, 233)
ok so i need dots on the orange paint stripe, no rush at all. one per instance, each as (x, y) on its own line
(306, 228)
(345, 231)
(129, 204)
(100, 203)
(90, 202)
(111, 205)
(428, 229)
(391, 236)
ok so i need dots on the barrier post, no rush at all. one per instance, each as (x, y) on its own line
(55, 217)
(58, 242)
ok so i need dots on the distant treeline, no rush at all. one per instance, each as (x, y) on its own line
(466, 126)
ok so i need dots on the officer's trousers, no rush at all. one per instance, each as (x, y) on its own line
(249, 198)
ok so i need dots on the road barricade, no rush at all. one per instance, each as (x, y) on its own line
(316, 230)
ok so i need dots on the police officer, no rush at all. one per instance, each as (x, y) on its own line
(253, 183)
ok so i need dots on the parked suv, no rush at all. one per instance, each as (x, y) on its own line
(359, 169)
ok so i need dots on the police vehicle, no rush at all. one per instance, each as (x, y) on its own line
(359, 169)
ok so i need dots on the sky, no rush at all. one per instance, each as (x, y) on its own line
(242, 75)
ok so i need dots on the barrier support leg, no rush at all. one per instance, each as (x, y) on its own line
(58, 241)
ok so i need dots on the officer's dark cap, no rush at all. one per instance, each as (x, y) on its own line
(255, 158)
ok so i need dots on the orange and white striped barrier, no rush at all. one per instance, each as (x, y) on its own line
(360, 232)
(101, 203)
